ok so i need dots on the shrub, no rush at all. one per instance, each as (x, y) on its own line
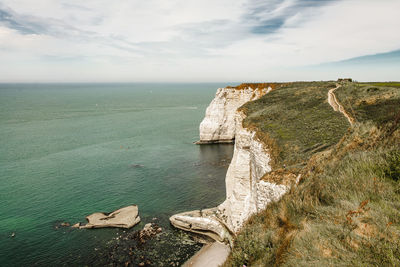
(392, 167)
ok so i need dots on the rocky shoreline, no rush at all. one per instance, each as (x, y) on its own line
(246, 192)
(211, 142)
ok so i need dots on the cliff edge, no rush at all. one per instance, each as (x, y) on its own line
(219, 124)
(328, 157)
(342, 143)
(246, 193)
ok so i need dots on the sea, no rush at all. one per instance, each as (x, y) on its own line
(69, 150)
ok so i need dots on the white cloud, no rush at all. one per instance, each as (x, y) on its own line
(190, 40)
(339, 31)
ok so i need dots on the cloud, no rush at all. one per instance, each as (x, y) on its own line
(388, 58)
(364, 68)
(188, 40)
(333, 32)
(30, 24)
(11, 20)
(267, 17)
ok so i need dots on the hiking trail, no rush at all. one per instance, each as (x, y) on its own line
(332, 100)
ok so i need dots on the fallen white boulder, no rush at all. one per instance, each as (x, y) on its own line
(126, 217)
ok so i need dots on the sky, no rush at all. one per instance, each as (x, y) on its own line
(198, 41)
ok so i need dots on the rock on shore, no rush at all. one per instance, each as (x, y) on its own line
(126, 217)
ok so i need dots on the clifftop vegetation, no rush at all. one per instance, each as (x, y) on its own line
(345, 210)
(297, 118)
(256, 85)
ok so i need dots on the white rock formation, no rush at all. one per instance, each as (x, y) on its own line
(246, 193)
(269, 192)
(126, 217)
(218, 126)
(205, 222)
(240, 182)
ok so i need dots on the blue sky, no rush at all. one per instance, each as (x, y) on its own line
(198, 41)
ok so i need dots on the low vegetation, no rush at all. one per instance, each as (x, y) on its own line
(345, 211)
(255, 86)
(379, 104)
(387, 84)
(298, 118)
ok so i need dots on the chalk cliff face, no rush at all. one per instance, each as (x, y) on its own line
(218, 126)
(246, 193)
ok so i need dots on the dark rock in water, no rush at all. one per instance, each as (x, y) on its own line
(61, 224)
(136, 166)
(150, 229)
(153, 245)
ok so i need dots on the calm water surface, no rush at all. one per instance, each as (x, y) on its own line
(67, 151)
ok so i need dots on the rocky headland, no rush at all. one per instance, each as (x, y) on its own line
(219, 123)
(246, 193)
(326, 154)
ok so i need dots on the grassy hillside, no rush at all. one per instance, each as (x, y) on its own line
(345, 211)
(298, 119)
(370, 102)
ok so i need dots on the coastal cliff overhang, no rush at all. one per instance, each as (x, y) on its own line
(203, 222)
(218, 125)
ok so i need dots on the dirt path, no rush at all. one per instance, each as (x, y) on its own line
(332, 100)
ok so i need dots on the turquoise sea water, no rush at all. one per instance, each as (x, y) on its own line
(68, 150)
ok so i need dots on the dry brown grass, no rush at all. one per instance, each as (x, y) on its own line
(281, 176)
(336, 215)
(345, 210)
(256, 86)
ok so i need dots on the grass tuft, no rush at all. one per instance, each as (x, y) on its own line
(392, 167)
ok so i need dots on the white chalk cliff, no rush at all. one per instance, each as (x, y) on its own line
(246, 193)
(219, 125)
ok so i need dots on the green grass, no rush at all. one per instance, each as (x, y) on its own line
(298, 118)
(392, 167)
(346, 209)
(387, 84)
(370, 102)
(346, 215)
